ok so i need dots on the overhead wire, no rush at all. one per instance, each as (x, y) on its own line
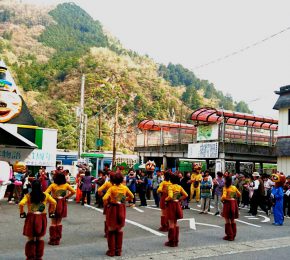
(242, 49)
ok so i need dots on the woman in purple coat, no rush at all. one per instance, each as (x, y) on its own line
(86, 183)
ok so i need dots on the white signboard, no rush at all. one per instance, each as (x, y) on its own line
(207, 132)
(34, 157)
(37, 157)
(203, 150)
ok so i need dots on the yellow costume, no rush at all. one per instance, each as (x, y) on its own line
(195, 178)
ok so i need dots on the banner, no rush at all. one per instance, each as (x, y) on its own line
(203, 150)
(207, 132)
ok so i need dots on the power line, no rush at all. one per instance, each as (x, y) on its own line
(242, 49)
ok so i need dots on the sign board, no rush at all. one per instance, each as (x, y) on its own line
(203, 150)
(99, 142)
(207, 132)
(37, 157)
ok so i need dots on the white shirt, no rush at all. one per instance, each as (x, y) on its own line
(268, 184)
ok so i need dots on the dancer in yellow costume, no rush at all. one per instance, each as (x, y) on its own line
(195, 180)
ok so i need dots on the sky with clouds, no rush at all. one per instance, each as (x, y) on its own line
(193, 33)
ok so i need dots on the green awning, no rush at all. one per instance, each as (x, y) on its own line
(92, 155)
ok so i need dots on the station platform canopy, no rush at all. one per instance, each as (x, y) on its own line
(157, 125)
(212, 115)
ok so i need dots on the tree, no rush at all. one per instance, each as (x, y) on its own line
(191, 98)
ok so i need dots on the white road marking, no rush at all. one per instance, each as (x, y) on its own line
(244, 222)
(139, 210)
(205, 224)
(91, 207)
(210, 213)
(266, 219)
(133, 223)
(145, 228)
(247, 223)
(253, 218)
(152, 207)
(191, 222)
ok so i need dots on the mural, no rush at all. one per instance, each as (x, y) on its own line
(10, 100)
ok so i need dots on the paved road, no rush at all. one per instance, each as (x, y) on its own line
(200, 236)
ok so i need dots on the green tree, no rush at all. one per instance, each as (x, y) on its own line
(191, 98)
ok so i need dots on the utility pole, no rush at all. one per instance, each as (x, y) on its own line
(85, 134)
(100, 124)
(115, 133)
(82, 116)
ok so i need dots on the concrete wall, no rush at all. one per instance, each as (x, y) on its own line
(283, 165)
(284, 128)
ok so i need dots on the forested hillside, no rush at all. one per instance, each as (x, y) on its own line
(48, 50)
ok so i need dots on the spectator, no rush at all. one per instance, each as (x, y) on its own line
(218, 190)
(258, 198)
(157, 179)
(287, 197)
(86, 187)
(143, 182)
(131, 183)
(99, 182)
(205, 194)
(185, 184)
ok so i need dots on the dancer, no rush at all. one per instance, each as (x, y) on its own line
(173, 209)
(230, 208)
(60, 191)
(101, 191)
(114, 200)
(163, 189)
(35, 220)
(277, 196)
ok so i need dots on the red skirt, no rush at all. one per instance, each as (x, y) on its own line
(78, 195)
(35, 225)
(174, 211)
(105, 209)
(230, 209)
(61, 208)
(162, 204)
(115, 216)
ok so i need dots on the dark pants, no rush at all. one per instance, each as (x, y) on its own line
(134, 198)
(245, 197)
(286, 204)
(99, 200)
(258, 200)
(156, 197)
(88, 195)
(142, 195)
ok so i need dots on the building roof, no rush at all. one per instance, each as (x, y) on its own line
(157, 125)
(212, 115)
(284, 98)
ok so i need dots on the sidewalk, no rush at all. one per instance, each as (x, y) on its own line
(218, 250)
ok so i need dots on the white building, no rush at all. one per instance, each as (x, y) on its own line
(283, 141)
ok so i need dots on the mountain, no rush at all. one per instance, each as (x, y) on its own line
(49, 48)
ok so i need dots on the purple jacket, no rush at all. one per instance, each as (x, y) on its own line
(87, 186)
